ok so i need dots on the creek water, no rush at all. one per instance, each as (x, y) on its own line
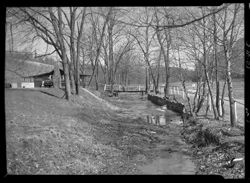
(173, 157)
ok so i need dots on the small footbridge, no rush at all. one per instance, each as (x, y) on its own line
(127, 89)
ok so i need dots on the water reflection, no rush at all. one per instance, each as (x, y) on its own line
(162, 120)
(156, 119)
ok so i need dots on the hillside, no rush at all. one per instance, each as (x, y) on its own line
(48, 135)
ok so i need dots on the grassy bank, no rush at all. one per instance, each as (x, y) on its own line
(214, 145)
(46, 134)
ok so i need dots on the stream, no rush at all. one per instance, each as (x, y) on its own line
(173, 157)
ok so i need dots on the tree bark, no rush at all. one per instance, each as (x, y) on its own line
(111, 54)
(72, 50)
(146, 82)
(222, 100)
(72, 77)
(56, 76)
(211, 94)
(217, 102)
(230, 90)
(58, 30)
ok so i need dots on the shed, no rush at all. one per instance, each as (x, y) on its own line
(25, 71)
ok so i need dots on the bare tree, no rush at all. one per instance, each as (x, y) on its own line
(57, 24)
(46, 25)
(183, 81)
(144, 37)
(203, 35)
(100, 42)
(76, 31)
(217, 102)
(166, 37)
(230, 31)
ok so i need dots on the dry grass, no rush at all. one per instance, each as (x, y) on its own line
(48, 135)
(214, 144)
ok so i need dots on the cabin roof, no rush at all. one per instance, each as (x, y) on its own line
(26, 68)
(18, 68)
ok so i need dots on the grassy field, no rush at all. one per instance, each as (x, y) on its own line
(238, 88)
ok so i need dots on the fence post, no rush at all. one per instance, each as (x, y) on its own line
(139, 88)
(183, 94)
(235, 111)
(105, 87)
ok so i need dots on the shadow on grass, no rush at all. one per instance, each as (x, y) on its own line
(53, 94)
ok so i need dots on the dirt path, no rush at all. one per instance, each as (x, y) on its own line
(172, 157)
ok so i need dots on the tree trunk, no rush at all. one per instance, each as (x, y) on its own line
(56, 76)
(182, 79)
(78, 52)
(205, 66)
(82, 68)
(165, 55)
(158, 74)
(208, 104)
(72, 78)
(146, 82)
(12, 39)
(230, 89)
(197, 93)
(222, 100)
(201, 98)
(59, 33)
(211, 96)
(166, 61)
(218, 97)
(111, 58)
(77, 77)
(216, 66)
(96, 76)
(188, 99)
(152, 75)
(229, 37)
(67, 81)
(166, 93)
